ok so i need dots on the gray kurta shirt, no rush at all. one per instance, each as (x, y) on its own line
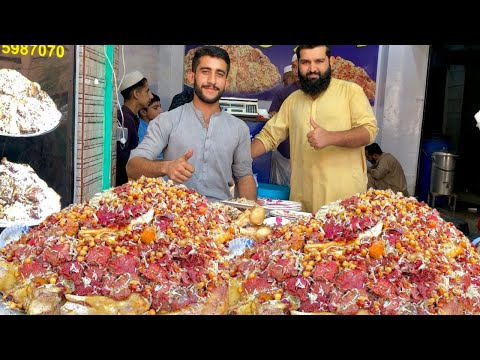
(221, 152)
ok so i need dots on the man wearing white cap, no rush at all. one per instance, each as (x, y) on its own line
(137, 95)
(281, 169)
(280, 96)
(288, 77)
(204, 147)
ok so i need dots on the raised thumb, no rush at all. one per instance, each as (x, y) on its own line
(188, 154)
(313, 123)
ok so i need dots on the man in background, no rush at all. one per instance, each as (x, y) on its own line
(288, 77)
(281, 169)
(386, 171)
(182, 98)
(280, 96)
(329, 122)
(137, 95)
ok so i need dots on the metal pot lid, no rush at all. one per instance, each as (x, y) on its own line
(441, 153)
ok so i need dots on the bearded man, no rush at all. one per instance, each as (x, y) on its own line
(329, 122)
(204, 148)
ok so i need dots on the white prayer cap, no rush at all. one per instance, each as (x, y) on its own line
(294, 57)
(131, 79)
(287, 69)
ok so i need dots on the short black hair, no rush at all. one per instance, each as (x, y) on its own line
(127, 93)
(154, 99)
(213, 51)
(373, 148)
(301, 47)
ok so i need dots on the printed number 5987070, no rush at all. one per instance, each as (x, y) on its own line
(39, 50)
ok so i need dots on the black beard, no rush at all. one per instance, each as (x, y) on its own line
(317, 86)
(198, 91)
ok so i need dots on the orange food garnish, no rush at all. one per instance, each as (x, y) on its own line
(265, 297)
(377, 250)
(38, 281)
(432, 224)
(201, 209)
(148, 235)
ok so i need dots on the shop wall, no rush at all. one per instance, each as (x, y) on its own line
(402, 75)
(162, 65)
(90, 138)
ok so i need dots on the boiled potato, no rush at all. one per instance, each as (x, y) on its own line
(262, 232)
(244, 219)
(257, 215)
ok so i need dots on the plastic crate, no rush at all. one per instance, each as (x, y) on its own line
(273, 191)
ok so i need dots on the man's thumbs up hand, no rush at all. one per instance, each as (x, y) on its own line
(188, 154)
(180, 170)
(318, 136)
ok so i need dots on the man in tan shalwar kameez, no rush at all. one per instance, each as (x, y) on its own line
(329, 121)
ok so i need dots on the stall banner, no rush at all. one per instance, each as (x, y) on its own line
(256, 70)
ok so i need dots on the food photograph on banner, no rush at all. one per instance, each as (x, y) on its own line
(36, 131)
(256, 70)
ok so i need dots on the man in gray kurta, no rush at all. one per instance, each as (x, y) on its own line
(204, 148)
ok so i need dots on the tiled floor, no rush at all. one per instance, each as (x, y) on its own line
(466, 220)
(460, 217)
